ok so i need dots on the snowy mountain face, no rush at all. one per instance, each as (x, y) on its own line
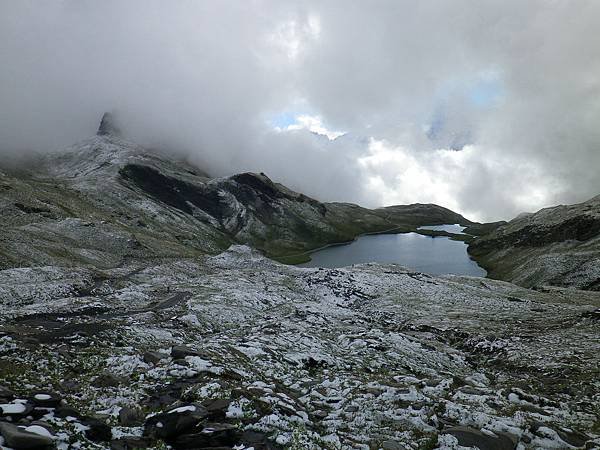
(139, 310)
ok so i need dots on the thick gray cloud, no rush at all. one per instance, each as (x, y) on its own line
(515, 85)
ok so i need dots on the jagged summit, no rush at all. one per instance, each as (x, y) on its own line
(108, 126)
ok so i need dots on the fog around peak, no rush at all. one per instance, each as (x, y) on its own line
(488, 108)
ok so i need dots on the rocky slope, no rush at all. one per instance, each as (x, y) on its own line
(557, 246)
(237, 350)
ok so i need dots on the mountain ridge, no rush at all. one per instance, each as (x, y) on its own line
(110, 180)
(557, 246)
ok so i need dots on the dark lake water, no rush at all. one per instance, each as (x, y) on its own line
(436, 256)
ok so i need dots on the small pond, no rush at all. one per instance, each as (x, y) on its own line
(433, 255)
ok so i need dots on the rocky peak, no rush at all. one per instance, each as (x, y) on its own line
(108, 126)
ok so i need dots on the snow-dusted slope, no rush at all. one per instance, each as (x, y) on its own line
(557, 246)
(359, 358)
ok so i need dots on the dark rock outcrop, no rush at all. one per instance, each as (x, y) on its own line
(108, 126)
(176, 422)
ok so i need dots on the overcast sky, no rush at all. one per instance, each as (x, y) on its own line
(489, 108)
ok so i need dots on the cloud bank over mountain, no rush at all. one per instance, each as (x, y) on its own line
(489, 108)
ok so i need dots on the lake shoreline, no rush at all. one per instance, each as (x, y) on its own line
(452, 259)
(396, 230)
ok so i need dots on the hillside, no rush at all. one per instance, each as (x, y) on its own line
(419, 214)
(558, 246)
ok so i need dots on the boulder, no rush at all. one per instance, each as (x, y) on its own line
(471, 437)
(217, 409)
(43, 399)
(98, 431)
(131, 443)
(574, 438)
(64, 411)
(105, 380)
(181, 351)
(153, 357)
(15, 410)
(130, 417)
(257, 440)
(392, 445)
(6, 394)
(19, 438)
(212, 435)
(175, 422)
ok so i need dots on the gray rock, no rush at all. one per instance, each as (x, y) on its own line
(212, 435)
(153, 357)
(392, 445)
(256, 440)
(108, 380)
(129, 417)
(175, 422)
(6, 393)
(98, 431)
(573, 438)
(470, 390)
(181, 351)
(44, 399)
(18, 438)
(130, 443)
(217, 408)
(65, 411)
(534, 409)
(320, 414)
(16, 410)
(471, 437)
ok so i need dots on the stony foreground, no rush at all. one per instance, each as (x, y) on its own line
(236, 351)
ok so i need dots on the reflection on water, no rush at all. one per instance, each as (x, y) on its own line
(436, 256)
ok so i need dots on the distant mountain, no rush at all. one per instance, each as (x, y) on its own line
(419, 214)
(557, 246)
(105, 200)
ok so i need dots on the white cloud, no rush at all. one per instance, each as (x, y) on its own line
(291, 37)
(397, 175)
(518, 82)
(313, 124)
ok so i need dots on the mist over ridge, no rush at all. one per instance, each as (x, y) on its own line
(489, 109)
